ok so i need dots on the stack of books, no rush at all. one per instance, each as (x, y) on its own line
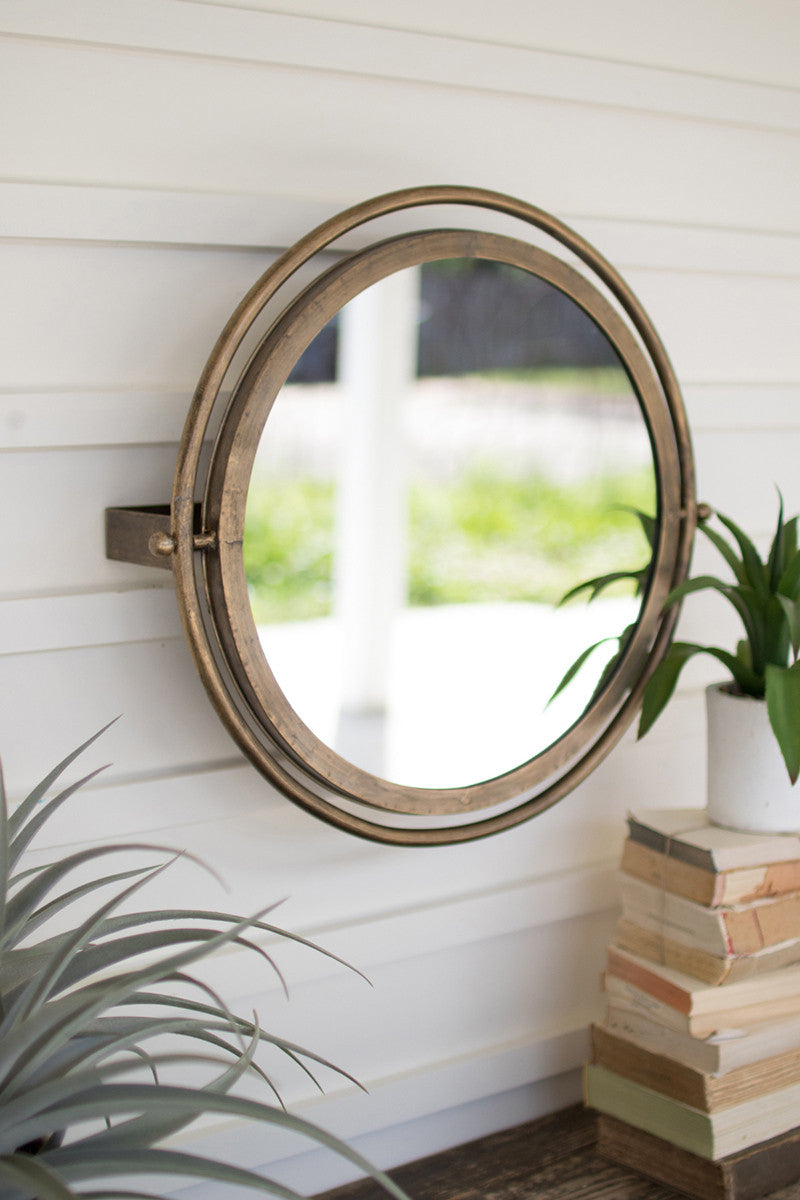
(695, 1069)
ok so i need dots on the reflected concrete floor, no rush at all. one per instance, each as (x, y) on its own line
(468, 687)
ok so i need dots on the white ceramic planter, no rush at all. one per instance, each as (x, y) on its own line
(748, 784)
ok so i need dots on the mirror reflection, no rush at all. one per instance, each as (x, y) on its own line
(453, 453)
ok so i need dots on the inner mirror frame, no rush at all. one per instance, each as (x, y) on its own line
(207, 558)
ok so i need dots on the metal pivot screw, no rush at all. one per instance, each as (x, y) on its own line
(161, 545)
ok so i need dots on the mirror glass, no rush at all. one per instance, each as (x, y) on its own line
(453, 453)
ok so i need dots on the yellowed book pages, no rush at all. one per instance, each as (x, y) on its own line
(689, 1085)
(703, 1008)
(725, 931)
(709, 887)
(709, 968)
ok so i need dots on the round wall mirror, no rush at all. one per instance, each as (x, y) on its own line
(406, 455)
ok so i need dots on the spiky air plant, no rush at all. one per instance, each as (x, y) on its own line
(96, 1010)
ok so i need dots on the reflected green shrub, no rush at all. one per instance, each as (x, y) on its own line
(483, 537)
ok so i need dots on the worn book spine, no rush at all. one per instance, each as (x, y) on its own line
(746, 1175)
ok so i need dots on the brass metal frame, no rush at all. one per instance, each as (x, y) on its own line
(207, 556)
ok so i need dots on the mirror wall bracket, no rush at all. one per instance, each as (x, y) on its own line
(141, 534)
(200, 535)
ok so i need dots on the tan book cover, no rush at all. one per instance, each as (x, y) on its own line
(709, 968)
(716, 1054)
(708, 887)
(689, 1085)
(711, 1135)
(703, 1008)
(687, 834)
(725, 931)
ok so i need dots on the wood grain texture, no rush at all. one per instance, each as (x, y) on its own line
(549, 1159)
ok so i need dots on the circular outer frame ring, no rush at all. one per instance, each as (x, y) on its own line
(280, 751)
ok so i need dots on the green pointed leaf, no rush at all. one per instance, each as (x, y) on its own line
(789, 583)
(573, 670)
(43, 984)
(791, 609)
(599, 584)
(117, 1099)
(43, 881)
(662, 683)
(4, 852)
(27, 1172)
(42, 814)
(775, 561)
(727, 552)
(783, 707)
(746, 603)
(755, 570)
(664, 679)
(72, 1037)
(291, 1049)
(23, 810)
(47, 911)
(789, 548)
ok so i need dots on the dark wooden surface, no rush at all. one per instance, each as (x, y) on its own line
(549, 1159)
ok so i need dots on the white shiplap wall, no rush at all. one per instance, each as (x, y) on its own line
(152, 154)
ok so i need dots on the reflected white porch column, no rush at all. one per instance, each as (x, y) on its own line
(377, 362)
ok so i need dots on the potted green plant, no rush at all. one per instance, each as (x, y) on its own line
(86, 1003)
(754, 717)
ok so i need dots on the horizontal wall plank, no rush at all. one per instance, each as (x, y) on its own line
(144, 321)
(71, 212)
(59, 546)
(150, 131)
(35, 624)
(400, 1119)
(111, 319)
(172, 771)
(168, 725)
(107, 417)
(715, 39)
(56, 540)
(317, 1171)
(60, 420)
(719, 329)
(739, 471)
(247, 36)
(733, 404)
